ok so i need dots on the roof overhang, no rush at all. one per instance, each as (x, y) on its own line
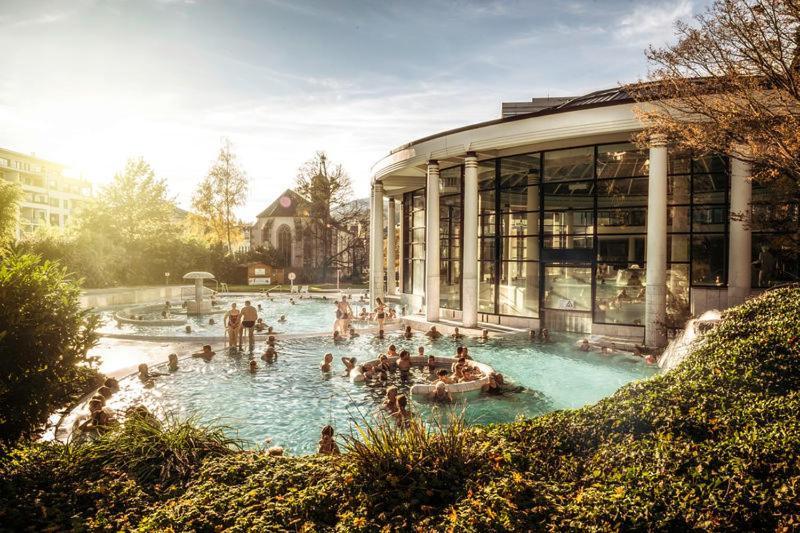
(404, 169)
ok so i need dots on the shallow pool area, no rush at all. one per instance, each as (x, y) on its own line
(286, 402)
(306, 315)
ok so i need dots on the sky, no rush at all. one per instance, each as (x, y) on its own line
(90, 83)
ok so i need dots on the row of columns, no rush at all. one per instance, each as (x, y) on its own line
(656, 291)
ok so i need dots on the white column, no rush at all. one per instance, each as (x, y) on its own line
(401, 252)
(656, 292)
(469, 253)
(740, 240)
(371, 255)
(432, 243)
(376, 261)
(390, 247)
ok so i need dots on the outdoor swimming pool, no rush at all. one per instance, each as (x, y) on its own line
(307, 315)
(287, 402)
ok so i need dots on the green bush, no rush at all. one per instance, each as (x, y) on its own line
(44, 339)
(712, 445)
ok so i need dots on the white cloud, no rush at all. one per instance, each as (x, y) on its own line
(653, 23)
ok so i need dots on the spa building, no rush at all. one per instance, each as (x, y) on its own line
(551, 217)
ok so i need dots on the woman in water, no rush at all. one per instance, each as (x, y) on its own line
(390, 402)
(380, 312)
(233, 323)
(408, 333)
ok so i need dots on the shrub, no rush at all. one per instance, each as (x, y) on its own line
(44, 339)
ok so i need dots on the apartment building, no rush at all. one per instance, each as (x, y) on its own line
(49, 198)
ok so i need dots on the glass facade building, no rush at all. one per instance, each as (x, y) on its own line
(566, 230)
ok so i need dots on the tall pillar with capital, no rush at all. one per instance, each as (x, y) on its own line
(376, 249)
(432, 243)
(390, 249)
(469, 269)
(741, 238)
(656, 291)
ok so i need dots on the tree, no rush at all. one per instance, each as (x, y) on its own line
(332, 213)
(222, 190)
(134, 207)
(9, 196)
(731, 84)
(44, 339)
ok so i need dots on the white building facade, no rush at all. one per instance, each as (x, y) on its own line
(555, 219)
(49, 198)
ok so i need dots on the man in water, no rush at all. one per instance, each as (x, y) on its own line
(249, 317)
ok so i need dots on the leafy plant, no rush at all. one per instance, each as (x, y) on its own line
(44, 340)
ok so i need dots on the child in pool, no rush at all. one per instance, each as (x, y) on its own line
(421, 351)
(173, 362)
(253, 366)
(441, 375)
(392, 351)
(326, 445)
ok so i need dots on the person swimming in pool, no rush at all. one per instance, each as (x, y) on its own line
(353, 333)
(260, 326)
(145, 374)
(253, 366)
(402, 416)
(392, 351)
(349, 363)
(206, 353)
(173, 362)
(282, 319)
(390, 401)
(327, 363)
(494, 384)
(404, 364)
(431, 364)
(270, 355)
(440, 393)
(456, 334)
(432, 333)
(441, 375)
(407, 333)
(326, 444)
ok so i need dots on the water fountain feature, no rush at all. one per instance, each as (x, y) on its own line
(691, 336)
(198, 306)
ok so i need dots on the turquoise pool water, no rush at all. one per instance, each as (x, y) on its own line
(287, 402)
(307, 315)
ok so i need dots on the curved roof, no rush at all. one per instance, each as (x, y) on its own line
(599, 98)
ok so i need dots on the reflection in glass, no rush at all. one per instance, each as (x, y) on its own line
(708, 260)
(677, 248)
(775, 260)
(622, 192)
(709, 188)
(570, 164)
(569, 195)
(621, 160)
(486, 287)
(568, 287)
(677, 295)
(709, 219)
(620, 294)
(630, 220)
(519, 288)
(519, 171)
(626, 249)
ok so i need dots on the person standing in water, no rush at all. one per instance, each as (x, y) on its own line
(249, 317)
(344, 314)
(380, 312)
(233, 323)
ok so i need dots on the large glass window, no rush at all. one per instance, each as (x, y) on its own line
(414, 242)
(450, 223)
(622, 188)
(568, 287)
(775, 232)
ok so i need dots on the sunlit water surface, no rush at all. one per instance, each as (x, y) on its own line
(287, 402)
